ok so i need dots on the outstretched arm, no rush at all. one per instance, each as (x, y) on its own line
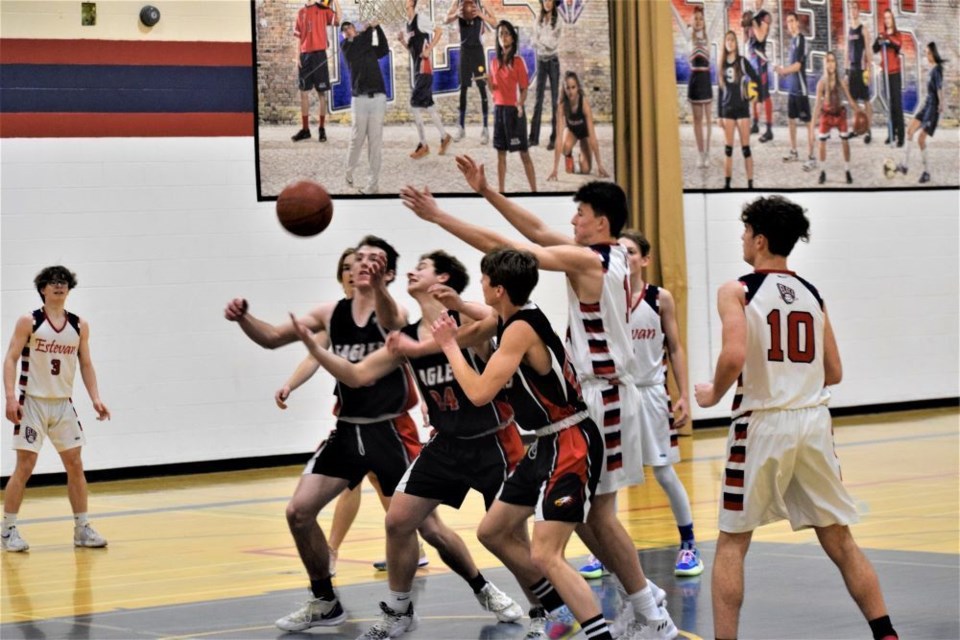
(88, 373)
(730, 303)
(359, 374)
(271, 336)
(390, 315)
(304, 371)
(524, 221)
(676, 355)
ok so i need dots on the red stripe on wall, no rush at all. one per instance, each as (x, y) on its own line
(124, 125)
(125, 52)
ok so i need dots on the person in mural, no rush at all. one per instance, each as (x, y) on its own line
(794, 76)
(738, 80)
(928, 116)
(888, 43)
(830, 113)
(313, 72)
(363, 50)
(547, 32)
(576, 126)
(51, 344)
(699, 86)
(757, 25)
(509, 81)
(781, 463)
(859, 62)
(472, 19)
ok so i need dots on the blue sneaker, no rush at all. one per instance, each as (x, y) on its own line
(561, 624)
(593, 569)
(689, 563)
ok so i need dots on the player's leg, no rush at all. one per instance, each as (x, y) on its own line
(13, 499)
(586, 156)
(553, 70)
(313, 493)
(322, 113)
(348, 506)
(305, 110)
(698, 126)
(792, 127)
(538, 104)
(727, 582)
(529, 169)
(83, 534)
(360, 111)
(501, 169)
(422, 148)
(485, 110)
(503, 531)
(688, 560)
(915, 125)
(375, 141)
(743, 126)
(728, 125)
(922, 143)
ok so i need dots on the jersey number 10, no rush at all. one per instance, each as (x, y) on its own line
(798, 323)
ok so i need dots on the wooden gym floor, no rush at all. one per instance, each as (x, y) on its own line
(210, 557)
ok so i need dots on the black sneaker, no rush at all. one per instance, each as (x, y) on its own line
(767, 136)
(867, 138)
(924, 177)
(303, 134)
(823, 177)
(755, 128)
(322, 136)
(849, 178)
(551, 146)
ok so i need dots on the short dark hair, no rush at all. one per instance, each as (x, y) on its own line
(380, 243)
(636, 237)
(349, 251)
(514, 270)
(606, 199)
(781, 221)
(443, 262)
(792, 14)
(56, 273)
(344, 25)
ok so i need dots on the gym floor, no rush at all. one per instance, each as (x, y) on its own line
(209, 556)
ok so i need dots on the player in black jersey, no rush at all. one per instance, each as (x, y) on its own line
(474, 449)
(557, 479)
(859, 62)
(471, 19)
(366, 438)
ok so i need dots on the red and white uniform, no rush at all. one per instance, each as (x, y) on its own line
(660, 438)
(601, 351)
(781, 462)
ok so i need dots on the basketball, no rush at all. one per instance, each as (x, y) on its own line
(304, 208)
(860, 123)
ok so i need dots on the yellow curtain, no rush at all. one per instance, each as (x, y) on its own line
(648, 140)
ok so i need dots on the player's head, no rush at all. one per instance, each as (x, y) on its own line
(515, 271)
(507, 41)
(344, 270)
(368, 250)
(380, 243)
(730, 43)
(437, 267)
(772, 224)
(601, 213)
(698, 17)
(889, 22)
(830, 64)
(348, 29)
(793, 23)
(571, 86)
(854, 9)
(56, 277)
(933, 55)
(638, 249)
(549, 8)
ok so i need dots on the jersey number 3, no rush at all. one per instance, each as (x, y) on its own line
(55, 367)
(798, 323)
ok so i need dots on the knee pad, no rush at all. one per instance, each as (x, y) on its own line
(746, 151)
(728, 151)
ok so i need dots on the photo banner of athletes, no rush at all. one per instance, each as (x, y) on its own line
(817, 94)
(367, 96)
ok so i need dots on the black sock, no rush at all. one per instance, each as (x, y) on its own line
(547, 595)
(477, 583)
(596, 628)
(322, 588)
(749, 184)
(881, 628)
(726, 183)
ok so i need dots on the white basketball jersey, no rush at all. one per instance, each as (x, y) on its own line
(597, 335)
(646, 331)
(48, 363)
(784, 365)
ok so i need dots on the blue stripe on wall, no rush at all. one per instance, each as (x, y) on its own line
(124, 89)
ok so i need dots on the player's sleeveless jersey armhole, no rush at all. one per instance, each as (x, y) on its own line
(751, 284)
(39, 317)
(652, 297)
(74, 321)
(812, 289)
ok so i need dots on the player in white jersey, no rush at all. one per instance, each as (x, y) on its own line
(599, 348)
(51, 344)
(779, 346)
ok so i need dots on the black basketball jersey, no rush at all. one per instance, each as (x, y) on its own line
(389, 396)
(541, 400)
(471, 32)
(855, 46)
(416, 40)
(451, 411)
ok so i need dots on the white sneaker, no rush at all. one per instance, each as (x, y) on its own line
(810, 164)
(538, 625)
(499, 603)
(625, 616)
(349, 178)
(87, 536)
(11, 541)
(484, 136)
(314, 613)
(391, 624)
(660, 628)
(458, 134)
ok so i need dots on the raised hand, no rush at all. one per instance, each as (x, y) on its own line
(446, 296)
(445, 331)
(421, 203)
(303, 332)
(473, 172)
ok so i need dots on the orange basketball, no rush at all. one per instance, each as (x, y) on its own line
(860, 125)
(304, 208)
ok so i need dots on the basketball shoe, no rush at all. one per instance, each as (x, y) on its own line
(688, 563)
(498, 603)
(10, 540)
(87, 536)
(314, 613)
(392, 624)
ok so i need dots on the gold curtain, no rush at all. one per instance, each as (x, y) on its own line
(648, 139)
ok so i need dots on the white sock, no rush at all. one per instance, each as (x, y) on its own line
(80, 519)
(906, 153)
(437, 122)
(644, 606)
(846, 166)
(399, 601)
(9, 520)
(418, 120)
(679, 501)
(923, 154)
